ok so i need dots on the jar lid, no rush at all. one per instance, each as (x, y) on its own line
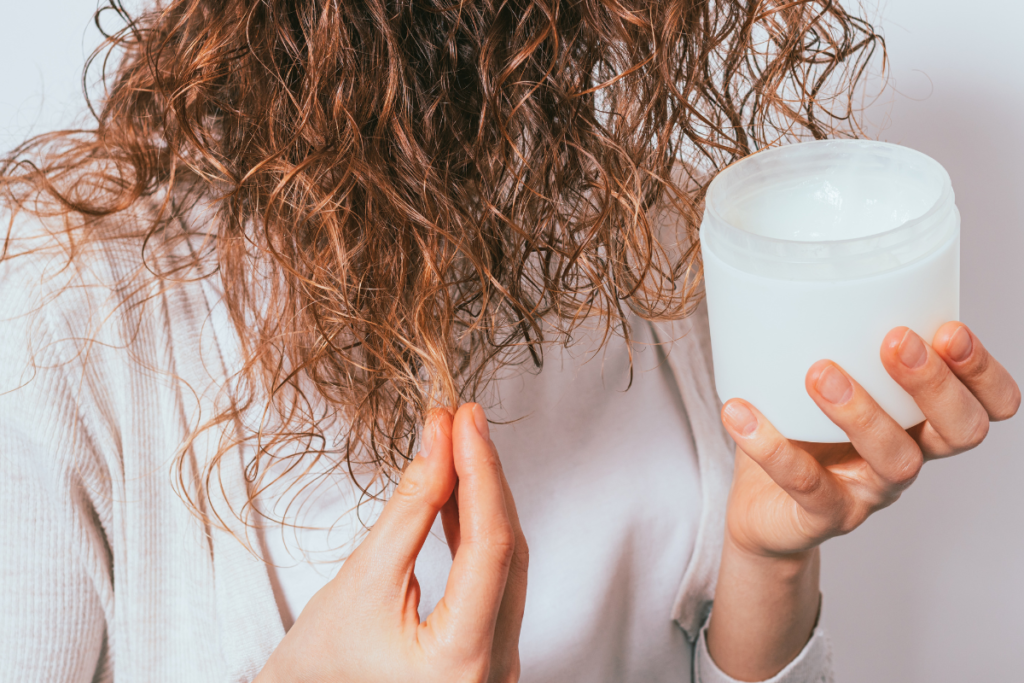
(829, 210)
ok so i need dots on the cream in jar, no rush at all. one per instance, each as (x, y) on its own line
(816, 250)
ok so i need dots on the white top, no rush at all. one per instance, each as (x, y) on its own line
(106, 575)
(608, 492)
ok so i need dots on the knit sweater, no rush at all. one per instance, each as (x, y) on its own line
(105, 372)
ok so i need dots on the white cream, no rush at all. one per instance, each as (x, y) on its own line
(841, 204)
(817, 250)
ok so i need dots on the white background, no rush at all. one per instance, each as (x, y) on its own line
(932, 589)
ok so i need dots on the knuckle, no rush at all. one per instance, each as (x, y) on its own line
(939, 379)
(863, 420)
(884, 499)
(415, 489)
(848, 523)
(412, 487)
(773, 453)
(840, 518)
(975, 431)
(521, 556)
(805, 482)
(855, 515)
(978, 367)
(907, 469)
(1008, 407)
(502, 543)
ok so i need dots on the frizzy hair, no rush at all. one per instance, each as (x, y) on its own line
(409, 195)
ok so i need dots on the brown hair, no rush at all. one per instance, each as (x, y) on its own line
(421, 183)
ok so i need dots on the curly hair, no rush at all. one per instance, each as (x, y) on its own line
(410, 194)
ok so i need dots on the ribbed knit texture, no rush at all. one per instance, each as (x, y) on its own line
(105, 575)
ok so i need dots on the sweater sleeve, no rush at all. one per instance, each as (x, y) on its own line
(54, 567)
(812, 665)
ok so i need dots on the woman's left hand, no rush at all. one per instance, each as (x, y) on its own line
(789, 496)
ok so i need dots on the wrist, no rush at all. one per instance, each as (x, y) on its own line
(785, 567)
(765, 610)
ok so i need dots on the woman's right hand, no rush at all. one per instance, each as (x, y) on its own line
(363, 626)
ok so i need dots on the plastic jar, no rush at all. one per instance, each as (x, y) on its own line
(816, 250)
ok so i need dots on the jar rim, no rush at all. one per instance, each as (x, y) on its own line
(828, 259)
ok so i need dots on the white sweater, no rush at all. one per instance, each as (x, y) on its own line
(104, 573)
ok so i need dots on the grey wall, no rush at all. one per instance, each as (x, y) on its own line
(929, 590)
(43, 46)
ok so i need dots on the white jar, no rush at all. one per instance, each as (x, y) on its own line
(816, 250)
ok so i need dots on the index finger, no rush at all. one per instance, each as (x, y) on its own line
(403, 525)
(476, 583)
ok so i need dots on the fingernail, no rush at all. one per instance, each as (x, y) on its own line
(960, 345)
(480, 420)
(912, 351)
(833, 385)
(427, 438)
(741, 418)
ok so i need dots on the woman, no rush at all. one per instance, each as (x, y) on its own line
(306, 241)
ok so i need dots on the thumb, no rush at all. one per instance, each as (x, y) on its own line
(426, 485)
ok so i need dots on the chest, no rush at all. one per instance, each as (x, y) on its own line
(607, 485)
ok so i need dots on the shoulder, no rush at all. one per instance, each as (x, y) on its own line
(58, 261)
(90, 312)
(95, 278)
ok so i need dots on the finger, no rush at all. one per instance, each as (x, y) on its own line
(892, 454)
(986, 378)
(476, 584)
(411, 605)
(404, 523)
(795, 470)
(956, 419)
(450, 521)
(505, 651)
